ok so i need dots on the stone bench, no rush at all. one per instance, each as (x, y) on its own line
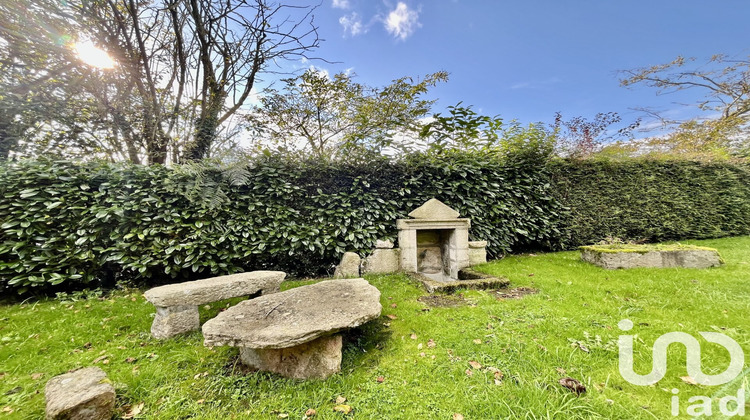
(294, 333)
(177, 304)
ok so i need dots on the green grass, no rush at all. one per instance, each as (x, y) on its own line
(569, 328)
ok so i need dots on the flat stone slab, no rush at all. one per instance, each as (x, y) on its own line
(214, 289)
(296, 316)
(85, 394)
(468, 279)
(651, 256)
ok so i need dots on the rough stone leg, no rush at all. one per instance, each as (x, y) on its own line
(173, 320)
(316, 359)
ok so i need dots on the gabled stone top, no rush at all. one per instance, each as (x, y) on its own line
(434, 209)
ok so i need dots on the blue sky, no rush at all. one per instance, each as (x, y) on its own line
(525, 60)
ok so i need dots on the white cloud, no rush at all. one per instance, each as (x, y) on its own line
(402, 21)
(320, 71)
(340, 4)
(352, 24)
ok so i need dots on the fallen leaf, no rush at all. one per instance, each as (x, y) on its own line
(340, 399)
(469, 372)
(413, 336)
(431, 343)
(310, 412)
(380, 379)
(130, 360)
(457, 416)
(531, 274)
(99, 359)
(573, 385)
(475, 364)
(498, 376)
(201, 401)
(36, 376)
(477, 341)
(419, 346)
(105, 361)
(283, 415)
(393, 305)
(7, 409)
(422, 354)
(343, 408)
(133, 411)
(391, 316)
(688, 380)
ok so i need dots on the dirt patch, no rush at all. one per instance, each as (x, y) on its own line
(443, 301)
(515, 293)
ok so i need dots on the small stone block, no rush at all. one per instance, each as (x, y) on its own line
(85, 394)
(348, 267)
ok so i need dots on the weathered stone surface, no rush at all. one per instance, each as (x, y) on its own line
(218, 288)
(477, 252)
(688, 258)
(430, 261)
(382, 261)
(85, 394)
(319, 358)
(173, 320)
(434, 209)
(348, 267)
(383, 244)
(295, 316)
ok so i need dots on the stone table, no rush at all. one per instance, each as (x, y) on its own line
(294, 333)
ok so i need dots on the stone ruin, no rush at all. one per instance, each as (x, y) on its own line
(434, 244)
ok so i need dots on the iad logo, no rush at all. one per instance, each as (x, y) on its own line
(693, 358)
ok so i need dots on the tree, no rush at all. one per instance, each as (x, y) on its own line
(184, 67)
(580, 138)
(464, 129)
(723, 84)
(330, 117)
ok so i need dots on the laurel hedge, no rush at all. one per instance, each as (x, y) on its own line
(70, 225)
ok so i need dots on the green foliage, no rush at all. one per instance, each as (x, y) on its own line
(646, 200)
(315, 115)
(67, 226)
(97, 223)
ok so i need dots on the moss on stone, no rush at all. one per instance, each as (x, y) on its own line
(644, 248)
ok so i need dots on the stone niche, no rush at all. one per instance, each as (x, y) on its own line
(434, 242)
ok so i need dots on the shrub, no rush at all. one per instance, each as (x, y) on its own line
(73, 224)
(66, 225)
(651, 201)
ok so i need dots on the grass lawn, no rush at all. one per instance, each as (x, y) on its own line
(416, 361)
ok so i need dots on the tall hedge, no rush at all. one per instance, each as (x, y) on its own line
(651, 201)
(74, 225)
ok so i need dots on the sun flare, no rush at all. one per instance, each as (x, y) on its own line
(93, 55)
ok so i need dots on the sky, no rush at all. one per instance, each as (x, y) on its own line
(526, 60)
